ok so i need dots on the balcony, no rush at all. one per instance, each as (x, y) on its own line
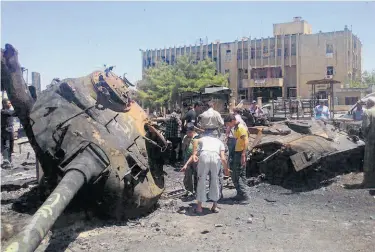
(270, 82)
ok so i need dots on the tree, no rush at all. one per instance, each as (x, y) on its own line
(368, 77)
(163, 84)
(366, 80)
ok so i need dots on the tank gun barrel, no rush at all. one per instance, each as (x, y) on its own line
(78, 172)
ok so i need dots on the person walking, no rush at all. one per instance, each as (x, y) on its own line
(210, 159)
(7, 133)
(238, 167)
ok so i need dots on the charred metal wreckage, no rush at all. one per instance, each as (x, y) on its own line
(289, 148)
(90, 138)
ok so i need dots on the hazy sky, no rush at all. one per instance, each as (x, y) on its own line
(72, 39)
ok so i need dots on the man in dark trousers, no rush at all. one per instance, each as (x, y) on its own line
(238, 167)
(7, 133)
(189, 119)
(173, 134)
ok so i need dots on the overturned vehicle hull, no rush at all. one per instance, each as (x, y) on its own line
(288, 151)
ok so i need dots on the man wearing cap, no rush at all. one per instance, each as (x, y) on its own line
(239, 158)
(253, 107)
(211, 120)
(190, 167)
(368, 130)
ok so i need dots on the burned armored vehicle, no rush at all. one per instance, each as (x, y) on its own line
(91, 139)
(346, 121)
(289, 150)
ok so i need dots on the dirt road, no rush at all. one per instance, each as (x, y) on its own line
(327, 219)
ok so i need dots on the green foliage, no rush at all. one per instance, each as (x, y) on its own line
(366, 80)
(357, 84)
(163, 84)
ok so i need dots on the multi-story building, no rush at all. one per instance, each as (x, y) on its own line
(35, 81)
(279, 66)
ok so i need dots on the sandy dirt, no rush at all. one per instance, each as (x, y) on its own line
(330, 218)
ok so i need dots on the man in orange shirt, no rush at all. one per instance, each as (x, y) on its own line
(239, 157)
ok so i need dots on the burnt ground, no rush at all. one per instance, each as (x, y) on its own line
(329, 218)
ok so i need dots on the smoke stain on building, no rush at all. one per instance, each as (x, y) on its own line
(279, 66)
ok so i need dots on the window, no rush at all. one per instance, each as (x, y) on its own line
(246, 75)
(245, 54)
(258, 53)
(272, 51)
(279, 52)
(228, 56)
(351, 100)
(252, 53)
(239, 54)
(294, 50)
(292, 92)
(226, 71)
(329, 48)
(240, 73)
(265, 49)
(330, 70)
(286, 54)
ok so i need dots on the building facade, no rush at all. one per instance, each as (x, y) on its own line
(35, 81)
(279, 66)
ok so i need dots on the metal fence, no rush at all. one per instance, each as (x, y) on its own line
(291, 108)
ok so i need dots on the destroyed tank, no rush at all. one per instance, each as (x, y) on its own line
(91, 139)
(287, 149)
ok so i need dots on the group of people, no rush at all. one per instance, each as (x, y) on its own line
(204, 152)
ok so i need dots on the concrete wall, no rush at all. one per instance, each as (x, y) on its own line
(295, 27)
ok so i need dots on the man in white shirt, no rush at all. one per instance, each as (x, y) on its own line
(321, 111)
(209, 163)
(211, 120)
